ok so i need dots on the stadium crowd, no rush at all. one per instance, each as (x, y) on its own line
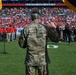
(20, 17)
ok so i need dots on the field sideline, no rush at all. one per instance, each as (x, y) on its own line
(63, 59)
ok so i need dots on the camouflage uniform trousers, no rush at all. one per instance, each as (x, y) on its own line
(32, 70)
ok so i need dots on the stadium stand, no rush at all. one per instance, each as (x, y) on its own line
(20, 16)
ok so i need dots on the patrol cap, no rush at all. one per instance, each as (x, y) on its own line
(35, 14)
(35, 11)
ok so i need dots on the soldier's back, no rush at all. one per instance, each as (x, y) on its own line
(36, 43)
(36, 36)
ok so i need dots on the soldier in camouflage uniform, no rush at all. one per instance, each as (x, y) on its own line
(37, 55)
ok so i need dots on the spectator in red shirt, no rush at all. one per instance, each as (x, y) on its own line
(3, 33)
(8, 30)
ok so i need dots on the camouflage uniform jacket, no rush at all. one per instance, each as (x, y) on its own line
(37, 35)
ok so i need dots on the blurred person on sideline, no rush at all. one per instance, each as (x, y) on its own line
(36, 36)
(3, 33)
(13, 31)
(58, 31)
(68, 33)
(0, 33)
(75, 33)
(8, 30)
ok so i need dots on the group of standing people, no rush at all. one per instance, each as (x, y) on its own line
(7, 33)
(67, 34)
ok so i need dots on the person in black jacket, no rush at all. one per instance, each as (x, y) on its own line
(68, 34)
(75, 33)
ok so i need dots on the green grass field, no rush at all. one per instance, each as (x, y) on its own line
(63, 59)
